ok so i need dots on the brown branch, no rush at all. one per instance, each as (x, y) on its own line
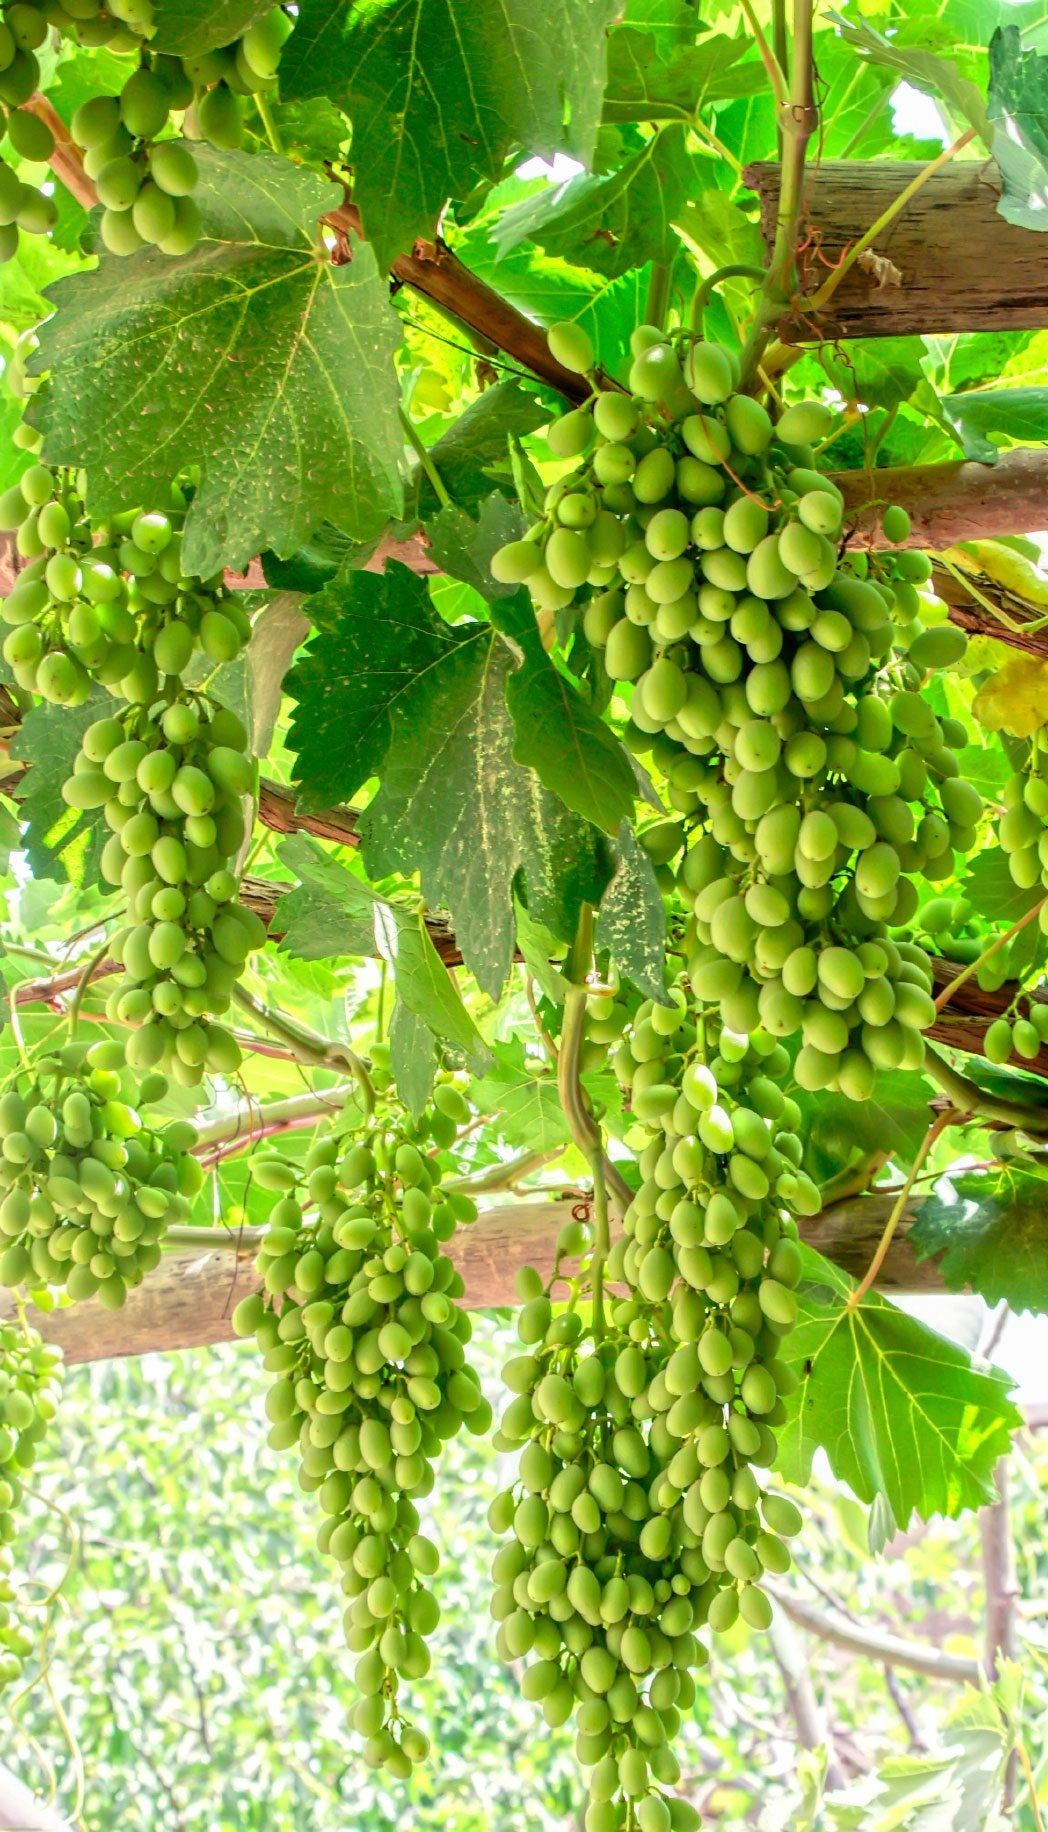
(813, 1727)
(949, 503)
(190, 1298)
(874, 1643)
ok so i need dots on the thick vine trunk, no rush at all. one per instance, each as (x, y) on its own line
(948, 262)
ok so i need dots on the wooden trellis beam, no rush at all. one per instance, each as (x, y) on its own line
(948, 262)
(189, 1300)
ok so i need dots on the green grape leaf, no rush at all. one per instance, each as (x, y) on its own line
(925, 69)
(614, 220)
(473, 455)
(894, 1120)
(989, 1230)
(186, 28)
(1018, 109)
(644, 87)
(991, 889)
(982, 421)
(520, 1093)
(631, 921)
(294, 421)
(59, 842)
(876, 371)
(454, 805)
(558, 734)
(332, 913)
(376, 635)
(901, 1413)
(275, 635)
(462, 544)
(440, 94)
(413, 1057)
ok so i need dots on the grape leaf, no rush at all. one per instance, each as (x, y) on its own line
(332, 913)
(614, 220)
(631, 921)
(894, 1120)
(462, 544)
(900, 1412)
(924, 68)
(990, 1232)
(275, 636)
(1018, 109)
(252, 357)
(377, 634)
(412, 1057)
(59, 842)
(185, 28)
(474, 453)
(643, 87)
(558, 735)
(441, 91)
(520, 1092)
(455, 806)
(876, 371)
(991, 889)
(982, 420)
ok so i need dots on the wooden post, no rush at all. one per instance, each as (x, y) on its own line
(948, 262)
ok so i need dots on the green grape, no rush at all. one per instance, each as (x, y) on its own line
(375, 1382)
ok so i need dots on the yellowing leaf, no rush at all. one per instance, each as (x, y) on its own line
(1015, 699)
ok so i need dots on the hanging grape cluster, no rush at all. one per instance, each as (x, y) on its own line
(637, 1519)
(778, 688)
(89, 1186)
(144, 181)
(111, 605)
(24, 207)
(30, 1375)
(359, 1324)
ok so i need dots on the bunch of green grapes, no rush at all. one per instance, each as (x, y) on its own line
(89, 1186)
(1023, 826)
(359, 1324)
(599, 1584)
(144, 181)
(777, 687)
(112, 605)
(711, 1245)
(23, 206)
(30, 1376)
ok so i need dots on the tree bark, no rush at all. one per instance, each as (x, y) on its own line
(813, 1728)
(948, 503)
(189, 1300)
(874, 1643)
(948, 261)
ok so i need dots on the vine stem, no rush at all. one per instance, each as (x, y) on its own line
(798, 119)
(967, 1097)
(268, 120)
(657, 304)
(247, 1123)
(938, 1125)
(741, 270)
(16, 1030)
(829, 286)
(973, 967)
(1031, 1784)
(414, 439)
(77, 1001)
(775, 72)
(309, 1046)
(581, 1123)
